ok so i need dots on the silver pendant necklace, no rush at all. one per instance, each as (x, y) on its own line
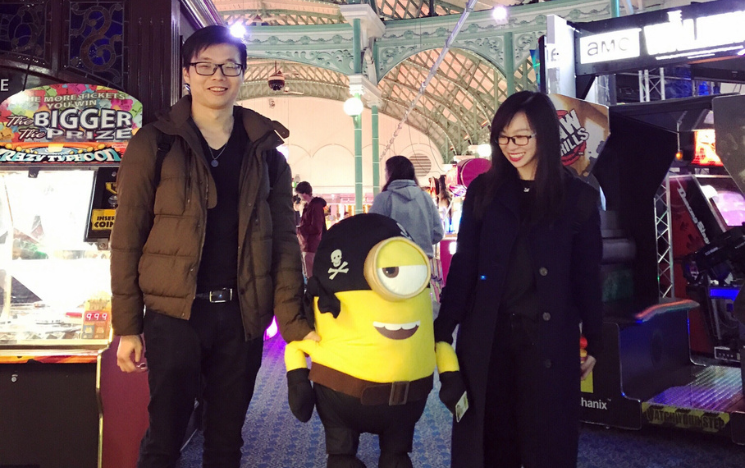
(214, 162)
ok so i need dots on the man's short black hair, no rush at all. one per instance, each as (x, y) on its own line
(304, 187)
(207, 37)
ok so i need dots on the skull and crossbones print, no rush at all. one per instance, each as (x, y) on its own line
(339, 266)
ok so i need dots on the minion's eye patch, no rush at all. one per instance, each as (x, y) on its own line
(397, 269)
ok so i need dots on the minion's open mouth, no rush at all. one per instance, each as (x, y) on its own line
(397, 331)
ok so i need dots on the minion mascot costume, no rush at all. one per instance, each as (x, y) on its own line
(374, 366)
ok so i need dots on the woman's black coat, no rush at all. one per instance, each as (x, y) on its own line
(565, 257)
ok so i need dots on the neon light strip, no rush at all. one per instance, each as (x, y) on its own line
(691, 54)
(723, 293)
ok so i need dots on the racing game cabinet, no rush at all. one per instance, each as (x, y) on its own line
(645, 375)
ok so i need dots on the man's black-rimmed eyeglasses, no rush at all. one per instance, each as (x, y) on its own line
(209, 68)
(519, 140)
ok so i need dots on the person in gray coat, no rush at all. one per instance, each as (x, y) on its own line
(403, 200)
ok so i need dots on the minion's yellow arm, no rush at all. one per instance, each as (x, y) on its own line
(295, 353)
(447, 361)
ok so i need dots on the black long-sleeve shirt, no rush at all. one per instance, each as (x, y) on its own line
(219, 265)
(520, 296)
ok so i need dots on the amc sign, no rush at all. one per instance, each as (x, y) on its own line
(616, 45)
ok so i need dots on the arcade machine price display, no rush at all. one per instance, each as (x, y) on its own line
(95, 325)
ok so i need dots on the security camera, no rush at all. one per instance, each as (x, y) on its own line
(276, 81)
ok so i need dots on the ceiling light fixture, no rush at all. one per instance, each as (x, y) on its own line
(238, 30)
(353, 106)
(500, 14)
(484, 150)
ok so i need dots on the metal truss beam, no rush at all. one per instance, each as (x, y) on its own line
(665, 272)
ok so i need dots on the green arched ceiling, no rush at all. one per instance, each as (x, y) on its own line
(296, 12)
(454, 112)
(457, 107)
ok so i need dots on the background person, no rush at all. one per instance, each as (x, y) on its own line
(526, 273)
(312, 225)
(444, 202)
(404, 201)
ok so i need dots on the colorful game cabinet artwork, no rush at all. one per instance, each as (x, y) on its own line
(67, 124)
(584, 128)
(74, 126)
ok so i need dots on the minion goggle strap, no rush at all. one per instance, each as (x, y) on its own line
(397, 269)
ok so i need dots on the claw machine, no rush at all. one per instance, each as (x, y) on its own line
(457, 179)
(63, 401)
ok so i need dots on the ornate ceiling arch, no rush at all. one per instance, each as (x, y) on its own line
(455, 111)
(305, 12)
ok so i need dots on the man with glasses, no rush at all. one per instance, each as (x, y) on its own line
(205, 243)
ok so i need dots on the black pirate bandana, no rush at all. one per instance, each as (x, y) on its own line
(340, 258)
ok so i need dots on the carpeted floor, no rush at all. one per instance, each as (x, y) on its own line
(275, 439)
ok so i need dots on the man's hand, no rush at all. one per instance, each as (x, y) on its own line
(312, 336)
(587, 366)
(129, 344)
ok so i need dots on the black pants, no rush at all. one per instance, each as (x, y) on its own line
(344, 418)
(207, 352)
(510, 428)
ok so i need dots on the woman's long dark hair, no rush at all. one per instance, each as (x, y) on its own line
(548, 188)
(399, 168)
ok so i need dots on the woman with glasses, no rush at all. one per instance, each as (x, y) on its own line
(525, 276)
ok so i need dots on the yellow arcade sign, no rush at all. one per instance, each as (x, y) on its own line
(684, 418)
(102, 220)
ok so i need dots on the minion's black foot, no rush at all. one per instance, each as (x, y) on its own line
(394, 460)
(344, 461)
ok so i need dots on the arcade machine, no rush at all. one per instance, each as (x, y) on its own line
(647, 373)
(64, 403)
(706, 209)
(676, 213)
(457, 179)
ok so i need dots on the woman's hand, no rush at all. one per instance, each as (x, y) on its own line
(587, 366)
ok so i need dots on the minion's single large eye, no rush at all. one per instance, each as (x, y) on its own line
(390, 272)
(397, 269)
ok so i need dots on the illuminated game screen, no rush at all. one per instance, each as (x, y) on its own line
(705, 152)
(726, 199)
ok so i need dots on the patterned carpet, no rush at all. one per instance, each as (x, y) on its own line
(275, 439)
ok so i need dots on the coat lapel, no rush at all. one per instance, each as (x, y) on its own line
(507, 195)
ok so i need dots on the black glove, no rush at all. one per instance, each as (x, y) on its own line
(300, 394)
(452, 389)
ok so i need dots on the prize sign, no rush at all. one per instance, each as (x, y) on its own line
(67, 124)
(584, 128)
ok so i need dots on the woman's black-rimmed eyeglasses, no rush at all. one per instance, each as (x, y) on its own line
(518, 140)
(209, 68)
